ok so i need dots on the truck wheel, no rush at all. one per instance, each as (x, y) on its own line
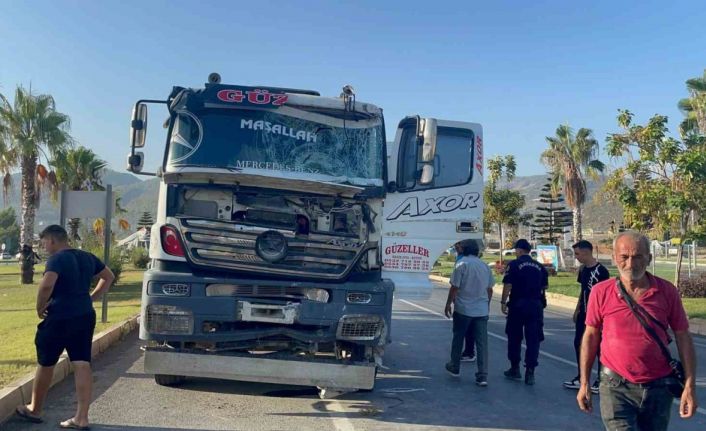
(167, 380)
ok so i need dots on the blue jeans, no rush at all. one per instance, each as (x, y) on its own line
(479, 327)
(627, 406)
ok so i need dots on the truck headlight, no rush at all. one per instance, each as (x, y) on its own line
(318, 295)
(168, 319)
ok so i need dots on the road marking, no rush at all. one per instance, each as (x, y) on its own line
(494, 335)
(541, 352)
(341, 423)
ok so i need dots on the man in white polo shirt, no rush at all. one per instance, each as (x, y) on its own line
(469, 298)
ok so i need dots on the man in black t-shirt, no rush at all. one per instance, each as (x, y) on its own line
(590, 273)
(65, 305)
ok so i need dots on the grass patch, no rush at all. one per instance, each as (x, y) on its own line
(695, 307)
(18, 318)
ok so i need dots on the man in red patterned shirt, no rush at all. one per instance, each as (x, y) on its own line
(634, 370)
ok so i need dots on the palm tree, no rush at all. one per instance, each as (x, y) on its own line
(571, 159)
(30, 127)
(694, 107)
(78, 169)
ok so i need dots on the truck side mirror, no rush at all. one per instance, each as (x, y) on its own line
(135, 162)
(138, 126)
(428, 134)
(427, 174)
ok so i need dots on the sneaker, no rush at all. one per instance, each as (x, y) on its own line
(595, 386)
(513, 373)
(482, 381)
(454, 371)
(574, 383)
(529, 376)
(467, 358)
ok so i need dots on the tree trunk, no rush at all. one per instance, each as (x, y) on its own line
(502, 242)
(74, 224)
(29, 168)
(577, 228)
(680, 250)
(677, 271)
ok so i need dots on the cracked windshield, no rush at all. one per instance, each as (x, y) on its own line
(330, 149)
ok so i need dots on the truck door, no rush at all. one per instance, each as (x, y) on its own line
(434, 198)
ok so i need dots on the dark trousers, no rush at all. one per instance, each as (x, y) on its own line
(627, 406)
(578, 336)
(469, 344)
(479, 326)
(524, 320)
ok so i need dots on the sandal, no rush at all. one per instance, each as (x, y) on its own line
(24, 413)
(71, 424)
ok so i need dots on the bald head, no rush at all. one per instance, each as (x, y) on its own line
(636, 237)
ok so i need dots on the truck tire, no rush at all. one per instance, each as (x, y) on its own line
(167, 380)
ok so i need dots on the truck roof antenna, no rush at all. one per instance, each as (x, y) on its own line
(348, 96)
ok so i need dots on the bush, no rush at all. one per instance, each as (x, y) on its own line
(500, 268)
(115, 264)
(694, 287)
(139, 257)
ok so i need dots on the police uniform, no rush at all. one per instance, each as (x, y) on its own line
(525, 309)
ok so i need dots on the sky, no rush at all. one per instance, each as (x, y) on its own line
(520, 68)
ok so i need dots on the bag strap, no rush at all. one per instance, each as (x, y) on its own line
(644, 312)
(632, 305)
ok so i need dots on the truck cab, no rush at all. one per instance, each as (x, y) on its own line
(285, 225)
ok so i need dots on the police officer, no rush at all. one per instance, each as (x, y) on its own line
(525, 283)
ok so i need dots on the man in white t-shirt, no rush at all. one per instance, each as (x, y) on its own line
(469, 298)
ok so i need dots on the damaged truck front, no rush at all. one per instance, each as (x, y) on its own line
(270, 236)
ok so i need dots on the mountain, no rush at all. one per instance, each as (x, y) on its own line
(138, 195)
(118, 179)
(596, 213)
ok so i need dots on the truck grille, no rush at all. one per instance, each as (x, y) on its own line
(227, 245)
(359, 327)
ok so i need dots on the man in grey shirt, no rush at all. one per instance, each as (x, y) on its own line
(471, 290)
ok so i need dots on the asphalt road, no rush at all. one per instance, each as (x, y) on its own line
(413, 391)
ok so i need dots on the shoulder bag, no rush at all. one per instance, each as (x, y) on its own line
(676, 383)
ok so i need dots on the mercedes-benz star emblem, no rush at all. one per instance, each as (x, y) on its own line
(271, 246)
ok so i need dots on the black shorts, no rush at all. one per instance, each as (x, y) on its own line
(74, 334)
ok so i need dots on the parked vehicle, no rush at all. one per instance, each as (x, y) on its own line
(511, 252)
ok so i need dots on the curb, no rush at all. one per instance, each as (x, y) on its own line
(568, 303)
(20, 391)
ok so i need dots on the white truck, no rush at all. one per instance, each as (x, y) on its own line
(285, 225)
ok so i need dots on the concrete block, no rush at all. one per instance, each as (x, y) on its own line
(10, 398)
(61, 370)
(95, 350)
(102, 343)
(25, 386)
(697, 326)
